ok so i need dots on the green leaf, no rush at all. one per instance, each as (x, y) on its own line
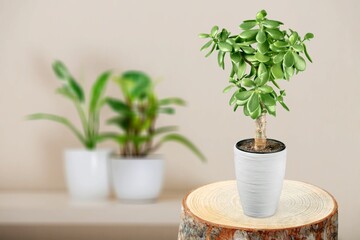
(225, 47)
(250, 58)
(167, 110)
(135, 84)
(165, 129)
(245, 111)
(185, 142)
(276, 49)
(221, 56)
(284, 105)
(97, 90)
(289, 59)
(244, 95)
(247, 25)
(61, 120)
(172, 100)
(204, 35)
(228, 88)
(206, 45)
(278, 58)
(60, 70)
(261, 15)
(246, 82)
(300, 63)
(212, 49)
(281, 44)
(289, 72)
(107, 136)
(271, 23)
(76, 89)
(298, 48)
(256, 113)
(235, 57)
(261, 57)
(308, 36)
(271, 110)
(214, 30)
(241, 69)
(263, 47)
(249, 34)
(306, 53)
(263, 74)
(266, 89)
(261, 37)
(268, 100)
(277, 72)
(293, 38)
(253, 103)
(275, 34)
(232, 99)
(248, 50)
(118, 106)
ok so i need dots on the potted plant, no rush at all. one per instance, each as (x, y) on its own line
(261, 55)
(137, 173)
(86, 169)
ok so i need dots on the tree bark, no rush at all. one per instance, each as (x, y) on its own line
(260, 132)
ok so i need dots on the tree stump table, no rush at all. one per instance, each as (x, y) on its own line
(213, 212)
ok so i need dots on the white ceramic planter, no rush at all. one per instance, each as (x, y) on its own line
(137, 179)
(87, 173)
(259, 180)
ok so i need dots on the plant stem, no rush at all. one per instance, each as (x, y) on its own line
(260, 132)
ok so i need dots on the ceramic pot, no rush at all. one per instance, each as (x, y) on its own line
(137, 179)
(259, 179)
(87, 173)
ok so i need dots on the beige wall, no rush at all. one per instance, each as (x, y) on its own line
(322, 131)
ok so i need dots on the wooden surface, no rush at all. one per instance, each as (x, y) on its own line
(214, 212)
(56, 208)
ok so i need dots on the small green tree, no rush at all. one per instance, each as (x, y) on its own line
(260, 55)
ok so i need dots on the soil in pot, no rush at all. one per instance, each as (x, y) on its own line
(272, 146)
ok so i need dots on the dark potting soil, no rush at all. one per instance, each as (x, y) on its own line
(272, 146)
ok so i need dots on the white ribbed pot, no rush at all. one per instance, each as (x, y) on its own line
(259, 179)
(137, 179)
(87, 173)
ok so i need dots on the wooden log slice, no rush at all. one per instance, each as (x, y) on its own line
(214, 212)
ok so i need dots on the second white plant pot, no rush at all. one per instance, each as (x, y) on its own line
(87, 173)
(137, 179)
(259, 179)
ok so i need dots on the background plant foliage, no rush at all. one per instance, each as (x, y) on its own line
(260, 55)
(136, 116)
(89, 114)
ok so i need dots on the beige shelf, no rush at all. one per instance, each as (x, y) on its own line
(56, 208)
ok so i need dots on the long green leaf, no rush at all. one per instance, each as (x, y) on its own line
(61, 120)
(97, 90)
(118, 106)
(184, 141)
(174, 100)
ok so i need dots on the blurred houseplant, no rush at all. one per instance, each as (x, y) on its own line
(260, 56)
(86, 169)
(137, 173)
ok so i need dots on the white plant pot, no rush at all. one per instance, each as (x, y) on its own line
(259, 180)
(137, 179)
(87, 173)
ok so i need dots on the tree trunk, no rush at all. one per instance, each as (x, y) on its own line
(260, 134)
(214, 212)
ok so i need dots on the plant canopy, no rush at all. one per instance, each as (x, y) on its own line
(260, 55)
